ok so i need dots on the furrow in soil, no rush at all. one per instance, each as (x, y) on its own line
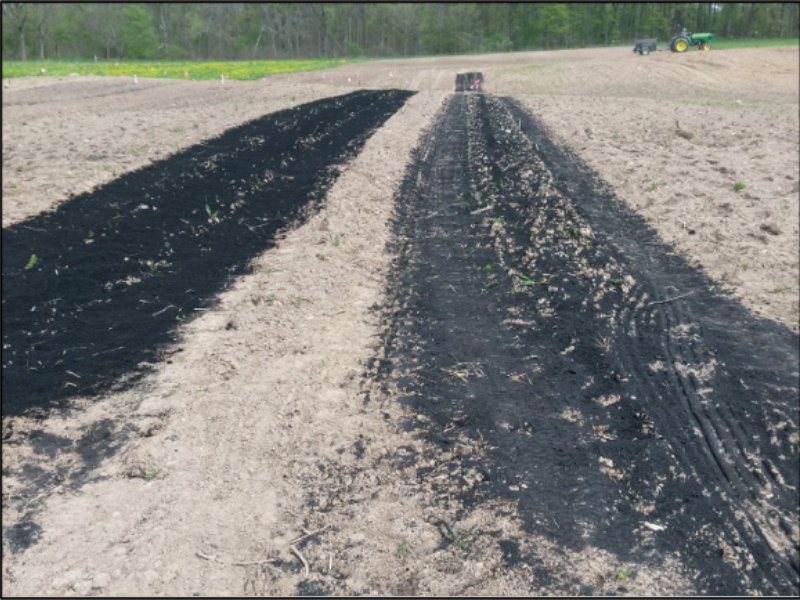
(96, 291)
(626, 402)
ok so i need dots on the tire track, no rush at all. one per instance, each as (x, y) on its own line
(735, 457)
(532, 312)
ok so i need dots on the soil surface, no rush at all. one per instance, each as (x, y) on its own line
(63, 136)
(672, 133)
(478, 353)
(535, 315)
(94, 290)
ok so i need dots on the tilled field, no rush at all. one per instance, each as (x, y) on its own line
(95, 289)
(625, 404)
(284, 361)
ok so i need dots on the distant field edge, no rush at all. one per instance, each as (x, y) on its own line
(197, 70)
(249, 70)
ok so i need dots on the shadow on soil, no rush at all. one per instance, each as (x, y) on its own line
(534, 316)
(46, 464)
(95, 291)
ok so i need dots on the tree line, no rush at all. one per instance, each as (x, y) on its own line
(222, 31)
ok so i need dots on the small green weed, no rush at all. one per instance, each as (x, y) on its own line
(61, 360)
(530, 282)
(401, 549)
(151, 475)
(623, 574)
(32, 262)
(460, 538)
(211, 215)
(738, 186)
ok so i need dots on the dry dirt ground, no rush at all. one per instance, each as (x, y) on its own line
(673, 135)
(204, 479)
(62, 136)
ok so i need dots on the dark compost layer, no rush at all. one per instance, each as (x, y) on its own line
(96, 290)
(613, 383)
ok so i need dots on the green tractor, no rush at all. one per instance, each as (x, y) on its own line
(682, 42)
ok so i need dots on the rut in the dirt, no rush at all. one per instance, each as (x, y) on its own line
(536, 314)
(96, 290)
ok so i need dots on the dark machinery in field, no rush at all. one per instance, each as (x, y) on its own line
(645, 47)
(469, 82)
(680, 43)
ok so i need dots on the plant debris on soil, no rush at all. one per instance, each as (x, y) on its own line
(94, 291)
(535, 379)
(627, 404)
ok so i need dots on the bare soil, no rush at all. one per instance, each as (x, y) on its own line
(63, 136)
(527, 324)
(100, 285)
(236, 425)
(672, 134)
(279, 436)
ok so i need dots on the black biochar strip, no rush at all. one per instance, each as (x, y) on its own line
(532, 313)
(96, 291)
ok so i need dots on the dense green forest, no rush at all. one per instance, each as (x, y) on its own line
(276, 30)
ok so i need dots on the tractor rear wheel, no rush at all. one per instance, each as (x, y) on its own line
(680, 45)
